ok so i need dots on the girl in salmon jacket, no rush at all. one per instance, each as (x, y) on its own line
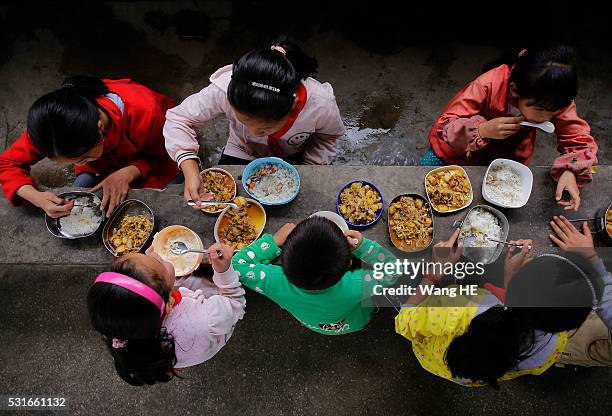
(111, 130)
(481, 122)
(273, 106)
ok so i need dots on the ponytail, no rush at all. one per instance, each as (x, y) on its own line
(64, 123)
(264, 81)
(143, 351)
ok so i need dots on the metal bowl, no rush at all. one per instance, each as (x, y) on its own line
(131, 207)
(53, 224)
(396, 242)
(476, 253)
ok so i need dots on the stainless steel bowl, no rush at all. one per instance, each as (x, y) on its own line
(131, 207)
(477, 254)
(53, 224)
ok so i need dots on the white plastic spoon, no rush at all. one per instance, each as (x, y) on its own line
(547, 126)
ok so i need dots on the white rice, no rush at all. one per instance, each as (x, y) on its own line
(82, 220)
(479, 223)
(503, 185)
(276, 187)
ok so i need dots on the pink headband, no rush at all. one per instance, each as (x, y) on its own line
(133, 285)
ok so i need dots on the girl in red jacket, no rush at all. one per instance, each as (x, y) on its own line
(481, 122)
(110, 129)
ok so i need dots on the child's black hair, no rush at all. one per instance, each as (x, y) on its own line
(276, 77)
(555, 293)
(493, 344)
(316, 254)
(148, 356)
(546, 74)
(65, 122)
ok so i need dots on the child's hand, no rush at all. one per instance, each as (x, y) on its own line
(354, 238)
(53, 205)
(514, 261)
(567, 182)
(499, 128)
(115, 187)
(220, 257)
(568, 237)
(446, 252)
(281, 235)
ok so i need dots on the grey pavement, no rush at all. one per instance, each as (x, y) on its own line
(271, 365)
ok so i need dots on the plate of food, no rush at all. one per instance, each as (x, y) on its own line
(84, 219)
(271, 181)
(480, 223)
(218, 183)
(448, 189)
(240, 227)
(184, 264)
(360, 203)
(507, 183)
(410, 221)
(129, 227)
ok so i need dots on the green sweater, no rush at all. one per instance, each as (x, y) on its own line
(332, 311)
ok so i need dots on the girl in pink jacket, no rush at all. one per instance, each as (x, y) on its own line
(481, 122)
(273, 106)
(153, 330)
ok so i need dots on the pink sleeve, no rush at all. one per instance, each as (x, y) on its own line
(458, 124)
(225, 309)
(321, 147)
(182, 120)
(576, 145)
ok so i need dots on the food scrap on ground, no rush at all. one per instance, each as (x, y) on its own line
(410, 220)
(132, 233)
(360, 203)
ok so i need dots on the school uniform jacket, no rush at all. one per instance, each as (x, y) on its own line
(134, 138)
(455, 139)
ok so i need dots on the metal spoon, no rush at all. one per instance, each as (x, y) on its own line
(547, 126)
(204, 204)
(470, 240)
(179, 248)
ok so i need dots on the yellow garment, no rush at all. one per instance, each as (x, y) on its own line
(433, 325)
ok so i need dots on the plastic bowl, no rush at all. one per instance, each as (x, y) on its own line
(443, 168)
(333, 217)
(526, 182)
(184, 264)
(255, 211)
(252, 167)
(218, 209)
(360, 226)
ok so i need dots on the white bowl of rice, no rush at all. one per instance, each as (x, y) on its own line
(507, 183)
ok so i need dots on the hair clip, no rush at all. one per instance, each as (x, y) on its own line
(265, 86)
(119, 343)
(279, 48)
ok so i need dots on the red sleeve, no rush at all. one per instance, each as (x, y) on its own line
(146, 131)
(15, 165)
(498, 292)
(458, 124)
(576, 145)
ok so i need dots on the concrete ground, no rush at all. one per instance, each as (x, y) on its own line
(392, 72)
